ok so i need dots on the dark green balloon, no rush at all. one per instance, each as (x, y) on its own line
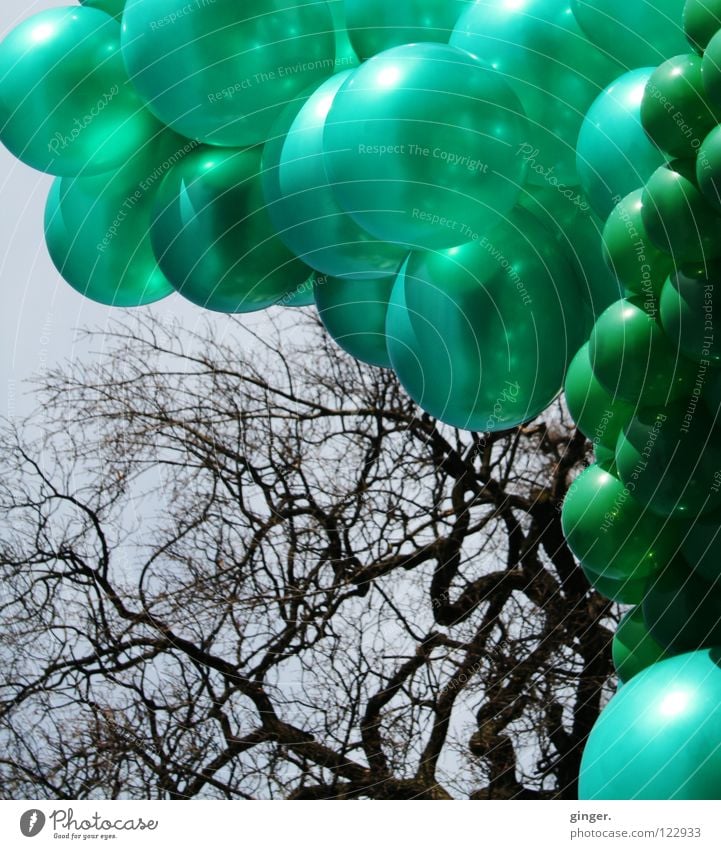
(691, 312)
(669, 457)
(100, 245)
(614, 153)
(677, 217)
(700, 546)
(610, 533)
(605, 457)
(708, 168)
(354, 313)
(682, 611)
(676, 111)
(407, 176)
(598, 415)
(701, 22)
(552, 66)
(635, 32)
(624, 592)
(66, 104)
(222, 71)
(377, 25)
(213, 237)
(712, 69)
(634, 360)
(660, 737)
(634, 649)
(481, 335)
(629, 253)
(577, 230)
(302, 203)
(111, 7)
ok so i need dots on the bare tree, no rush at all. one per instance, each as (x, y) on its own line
(252, 568)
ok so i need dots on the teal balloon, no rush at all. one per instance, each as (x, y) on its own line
(708, 168)
(701, 22)
(641, 32)
(345, 55)
(377, 25)
(615, 156)
(420, 146)
(682, 611)
(551, 65)
(669, 457)
(222, 71)
(302, 296)
(610, 532)
(481, 335)
(213, 237)
(598, 415)
(700, 546)
(577, 231)
(301, 201)
(66, 104)
(101, 246)
(659, 738)
(678, 218)
(354, 313)
(629, 254)
(690, 305)
(110, 7)
(634, 360)
(634, 649)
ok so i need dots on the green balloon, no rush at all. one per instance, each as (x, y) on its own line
(628, 252)
(624, 592)
(634, 649)
(405, 175)
(598, 415)
(633, 359)
(610, 533)
(701, 22)
(700, 546)
(302, 296)
(712, 69)
(577, 231)
(605, 457)
(110, 7)
(549, 62)
(669, 458)
(66, 104)
(222, 71)
(377, 25)
(614, 154)
(101, 247)
(682, 611)
(301, 201)
(675, 111)
(708, 168)
(689, 312)
(660, 736)
(635, 33)
(481, 335)
(354, 313)
(213, 237)
(677, 217)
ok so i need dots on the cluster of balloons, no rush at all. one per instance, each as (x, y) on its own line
(397, 165)
(645, 519)
(492, 198)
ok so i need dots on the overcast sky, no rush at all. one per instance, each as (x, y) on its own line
(39, 311)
